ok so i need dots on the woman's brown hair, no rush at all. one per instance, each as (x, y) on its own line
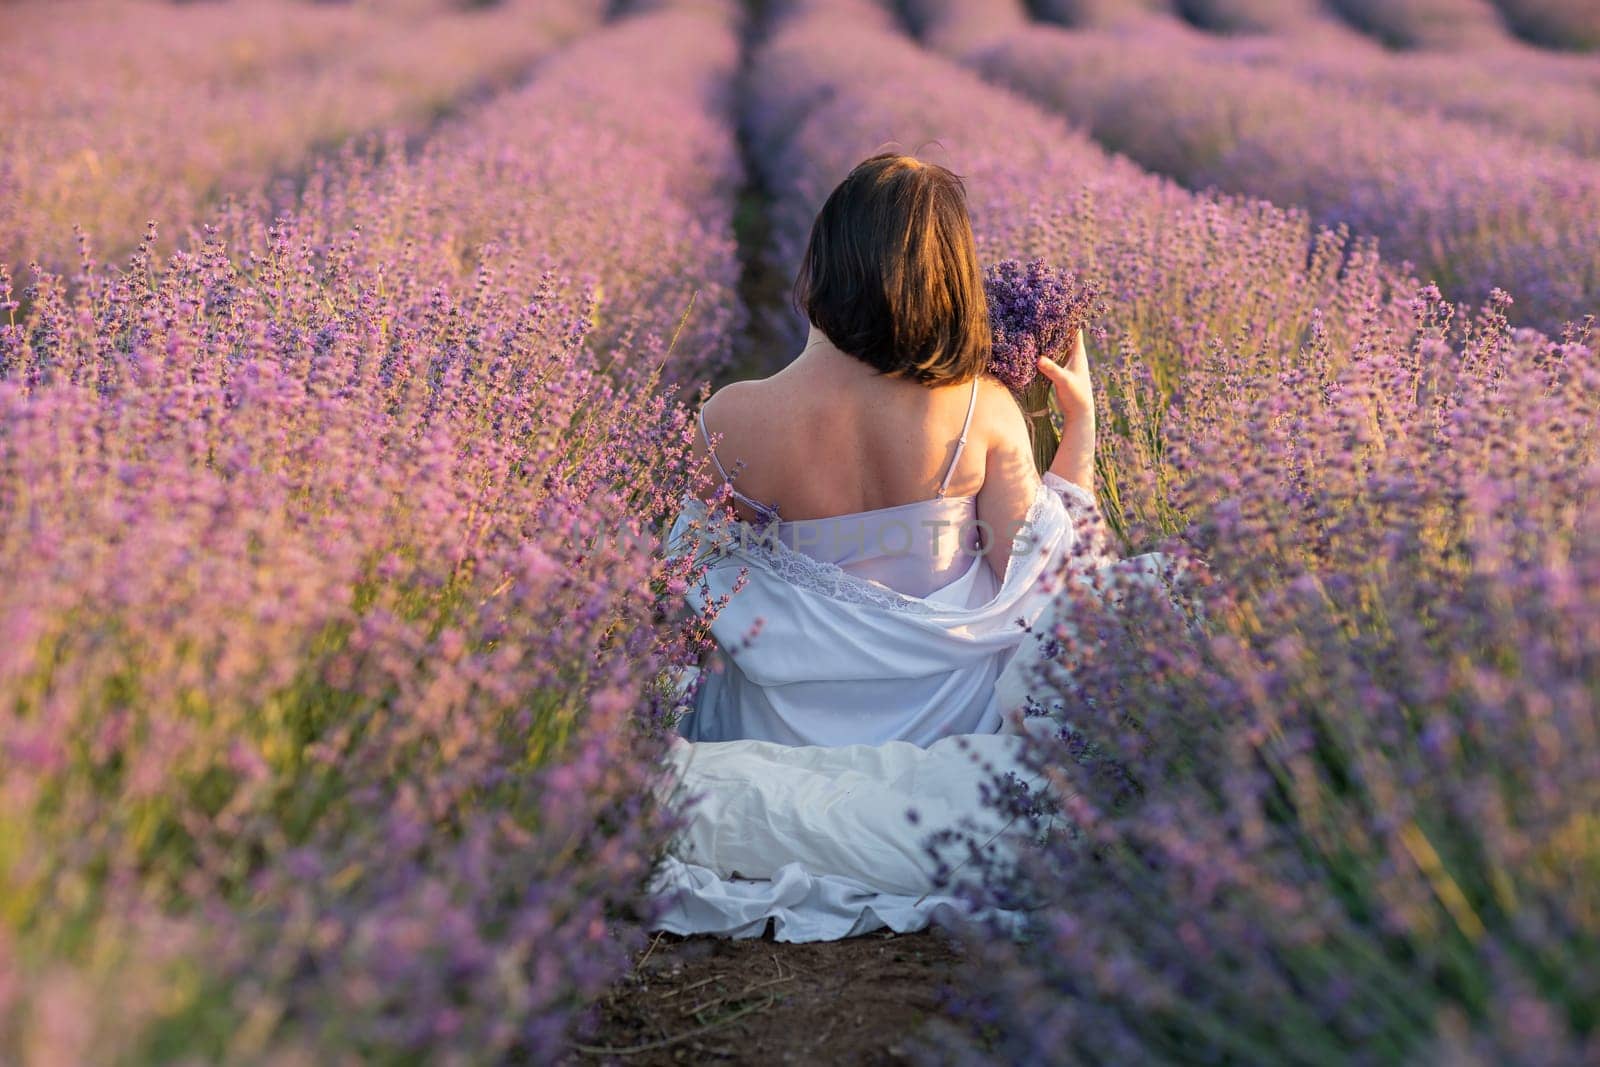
(891, 274)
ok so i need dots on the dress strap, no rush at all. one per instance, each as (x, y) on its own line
(764, 512)
(961, 442)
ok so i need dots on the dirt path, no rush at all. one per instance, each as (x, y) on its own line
(705, 999)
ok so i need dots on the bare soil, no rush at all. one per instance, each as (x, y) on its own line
(706, 999)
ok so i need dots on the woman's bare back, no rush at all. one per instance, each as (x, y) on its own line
(828, 436)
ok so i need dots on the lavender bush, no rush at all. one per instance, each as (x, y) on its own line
(115, 113)
(1557, 23)
(1352, 817)
(1425, 23)
(1474, 210)
(1252, 16)
(331, 678)
(961, 22)
(1097, 12)
(1512, 91)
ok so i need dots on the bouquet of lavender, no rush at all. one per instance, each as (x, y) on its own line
(1034, 310)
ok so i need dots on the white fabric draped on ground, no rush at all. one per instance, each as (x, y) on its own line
(815, 837)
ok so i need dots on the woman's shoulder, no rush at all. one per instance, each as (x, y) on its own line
(737, 400)
(738, 416)
(992, 390)
(738, 395)
(998, 415)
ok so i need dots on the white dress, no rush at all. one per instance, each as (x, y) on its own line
(835, 705)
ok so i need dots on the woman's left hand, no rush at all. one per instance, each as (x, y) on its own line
(1074, 389)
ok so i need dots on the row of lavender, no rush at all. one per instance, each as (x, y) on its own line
(1452, 24)
(323, 658)
(1345, 806)
(116, 113)
(1490, 83)
(1531, 94)
(1424, 23)
(1509, 92)
(1518, 91)
(1456, 23)
(1473, 208)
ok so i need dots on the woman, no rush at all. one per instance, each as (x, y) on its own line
(888, 543)
(884, 450)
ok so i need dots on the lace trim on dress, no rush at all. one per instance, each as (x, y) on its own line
(729, 537)
(1074, 496)
(836, 583)
(1094, 541)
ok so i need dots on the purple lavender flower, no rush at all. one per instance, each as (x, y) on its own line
(1034, 310)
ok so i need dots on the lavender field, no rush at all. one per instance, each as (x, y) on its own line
(338, 342)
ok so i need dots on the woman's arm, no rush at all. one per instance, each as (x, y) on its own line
(727, 425)
(1009, 479)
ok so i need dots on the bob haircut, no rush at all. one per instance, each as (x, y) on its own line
(891, 274)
